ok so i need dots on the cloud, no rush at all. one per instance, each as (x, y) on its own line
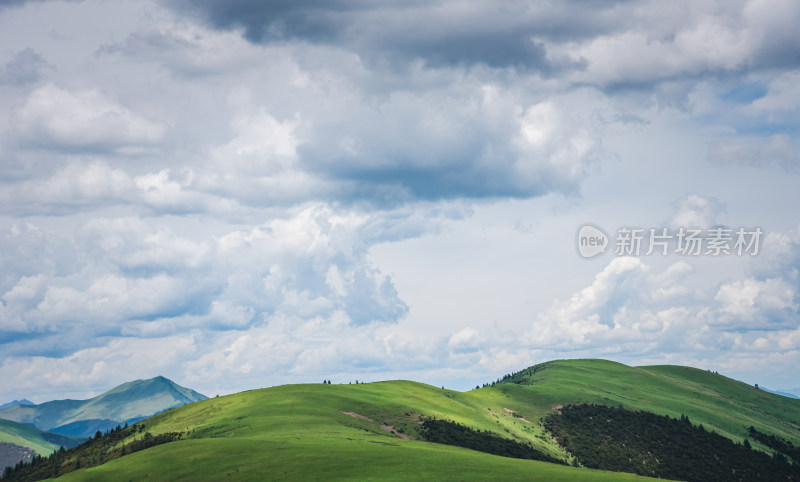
(259, 165)
(493, 144)
(590, 312)
(29, 250)
(677, 42)
(75, 187)
(319, 119)
(137, 278)
(340, 144)
(695, 211)
(159, 296)
(19, 3)
(604, 43)
(779, 257)
(26, 67)
(98, 368)
(472, 33)
(777, 151)
(750, 303)
(629, 308)
(187, 49)
(465, 339)
(783, 95)
(220, 175)
(85, 186)
(86, 120)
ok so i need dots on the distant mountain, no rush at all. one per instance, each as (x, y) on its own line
(127, 403)
(785, 394)
(17, 402)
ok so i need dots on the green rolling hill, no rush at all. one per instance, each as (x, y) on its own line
(378, 430)
(126, 403)
(41, 442)
(722, 404)
(21, 435)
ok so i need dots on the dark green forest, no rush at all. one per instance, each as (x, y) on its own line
(451, 433)
(777, 444)
(97, 450)
(653, 445)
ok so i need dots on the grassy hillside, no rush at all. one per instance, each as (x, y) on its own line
(287, 409)
(128, 402)
(721, 404)
(301, 432)
(373, 430)
(22, 435)
(347, 455)
(26, 436)
(43, 443)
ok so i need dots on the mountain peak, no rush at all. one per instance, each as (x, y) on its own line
(24, 401)
(126, 403)
(157, 378)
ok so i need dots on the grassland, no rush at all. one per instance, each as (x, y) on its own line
(316, 457)
(26, 436)
(721, 404)
(300, 432)
(358, 431)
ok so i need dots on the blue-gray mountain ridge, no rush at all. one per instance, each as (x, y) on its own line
(127, 403)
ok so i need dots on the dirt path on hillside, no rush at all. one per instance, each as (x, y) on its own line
(389, 428)
(392, 429)
(512, 412)
(356, 415)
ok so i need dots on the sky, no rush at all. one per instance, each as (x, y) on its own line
(247, 193)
